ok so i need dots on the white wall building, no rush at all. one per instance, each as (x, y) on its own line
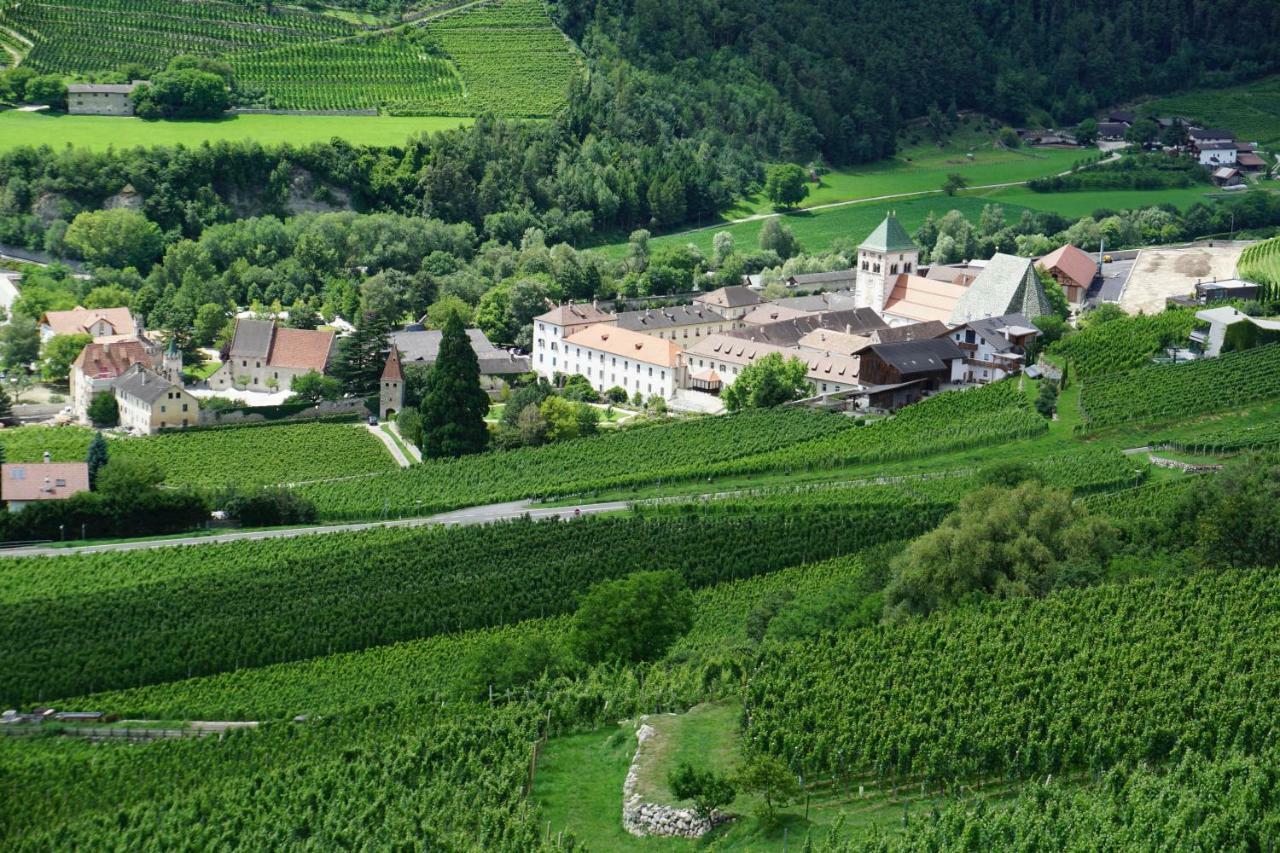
(714, 363)
(608, 356)
(552, 328)
(887, 252)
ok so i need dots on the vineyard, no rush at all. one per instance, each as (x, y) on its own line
(109, 621)
(1170, 391)
(638, 455)
(1082, 680)
(1261, 263)
(745, 443)
(505, 57)
(243, 456)
(1124, 343)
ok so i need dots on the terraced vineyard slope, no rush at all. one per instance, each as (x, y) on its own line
(504, 56)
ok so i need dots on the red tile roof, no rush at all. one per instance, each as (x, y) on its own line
(627, 343)
(392, 371)
(1073, 263)
(109, 360)
(41, 481)
(301, 349)
(78, 320)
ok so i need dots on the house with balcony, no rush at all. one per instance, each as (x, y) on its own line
(993, 348)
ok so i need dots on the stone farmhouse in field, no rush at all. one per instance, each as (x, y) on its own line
(101, 99)
(265, 357)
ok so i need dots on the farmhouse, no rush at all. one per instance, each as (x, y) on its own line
(149, 402)
(1073, 268)
(98, 323)
(608, 356)
(714, 363)
(677, 322)
(994, 347)
(552, 328)
(1216, 153)
(929, 362)
(22, 483)
(101, 99)
(731, 302)
(1247, 158)
(264, 357)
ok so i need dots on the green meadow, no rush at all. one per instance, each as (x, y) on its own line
(101, 132)
(1251, 110)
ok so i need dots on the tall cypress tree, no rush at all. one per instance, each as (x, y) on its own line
(454, 405)
(98, 456)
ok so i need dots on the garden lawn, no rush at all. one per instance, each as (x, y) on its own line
(101, 132)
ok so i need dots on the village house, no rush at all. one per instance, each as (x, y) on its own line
(732, 302)
(994, 348)
(714, 363)
(1247, 158)
(608, 356)
(1112, 131)
(1072, 268)
(926, 364)
(1217, 153)
(552, 328)
(99, 364)
(678, 322)
(23, 483)
(264, 357)
(498, 367)
(97, 323)
(149, 402)
(101, 99)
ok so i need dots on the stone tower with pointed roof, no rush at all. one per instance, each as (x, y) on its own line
(391, 386)
(171, 363)
(882, 257)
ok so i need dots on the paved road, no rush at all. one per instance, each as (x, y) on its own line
(390, 444)
(471, 515)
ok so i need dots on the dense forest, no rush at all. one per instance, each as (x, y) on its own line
(682, 103)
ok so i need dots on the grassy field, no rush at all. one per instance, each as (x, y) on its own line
(579, 787)
(924, 168)
(101, 132)
(817, 228)
(1250, 110)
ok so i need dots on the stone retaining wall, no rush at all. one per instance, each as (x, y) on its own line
(640, 818)
(1188, 467)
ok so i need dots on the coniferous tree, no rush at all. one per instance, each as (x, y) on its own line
(361, 356)
(454, 405)
(6, 408)
(98, 457)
